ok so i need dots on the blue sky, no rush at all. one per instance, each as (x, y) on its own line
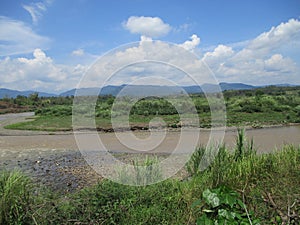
(47, 45)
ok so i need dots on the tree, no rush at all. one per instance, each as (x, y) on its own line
(34, 98)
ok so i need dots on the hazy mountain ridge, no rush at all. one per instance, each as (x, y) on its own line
(9, 93)
(145, 90)
(137, 90)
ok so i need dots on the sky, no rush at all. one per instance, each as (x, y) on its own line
(48, 45)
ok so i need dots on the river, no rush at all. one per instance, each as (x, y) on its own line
(16, 143)
(54, 158)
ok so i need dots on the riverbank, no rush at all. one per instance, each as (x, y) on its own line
(65, 189)
(54, 158)
(15, 124)
(260, 189)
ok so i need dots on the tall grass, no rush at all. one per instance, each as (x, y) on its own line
(15, 198)
(142, 172)
(268, 184)
(243, 147)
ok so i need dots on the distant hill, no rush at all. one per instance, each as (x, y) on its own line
(146, 90)
(236, 86)
(132, 90)
(14, 93)
(107, 90)
(139, 90)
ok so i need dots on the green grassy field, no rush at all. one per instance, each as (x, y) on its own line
(239, 187)
(256, 108)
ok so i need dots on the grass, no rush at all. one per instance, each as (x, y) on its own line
(258, 118)
(256, 108)
(15, 198)
(45, 123)
(143, 172)
(254, 187)
(64, 123)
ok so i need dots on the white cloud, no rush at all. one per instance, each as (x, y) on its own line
(148, 58)
(36, 9)
(256, 62)
(222, 51)
(19, 38)
(259, 61)
(277, 63)
(285, 34)
(277, 36)
(78, 52)
(147, 26)
(192, 44)
(38, 73)
(145, 38)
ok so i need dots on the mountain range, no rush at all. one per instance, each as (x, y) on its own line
(14, 93)
(137, 90)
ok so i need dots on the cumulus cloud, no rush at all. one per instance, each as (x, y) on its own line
(147, 26)
(19, 38)
(219, 52)
(148, 59)
(277, 63)
(259, 61)
(191, 44)
(39, 73)
(36, 9)
(277, 36)
(269, 42)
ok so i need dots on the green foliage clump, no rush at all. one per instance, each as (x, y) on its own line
(222, 206)
(60, 110)
(15, 198)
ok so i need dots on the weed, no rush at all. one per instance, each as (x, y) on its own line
(222, 206)
(141, 173)
(193, 165)
(15, 198)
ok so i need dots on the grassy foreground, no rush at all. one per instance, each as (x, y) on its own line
(240, 187)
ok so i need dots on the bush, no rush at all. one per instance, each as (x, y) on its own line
(222, 206)
(60, 110)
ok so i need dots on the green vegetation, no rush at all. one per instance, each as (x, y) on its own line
(15, 198)
(238, 186)
(45, 123)
(256, 108)
(223, 206)
(142, 173)
(31, 103)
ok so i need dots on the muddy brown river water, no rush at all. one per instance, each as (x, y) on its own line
(54, 159)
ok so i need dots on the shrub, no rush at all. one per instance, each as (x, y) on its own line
(222, 206)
